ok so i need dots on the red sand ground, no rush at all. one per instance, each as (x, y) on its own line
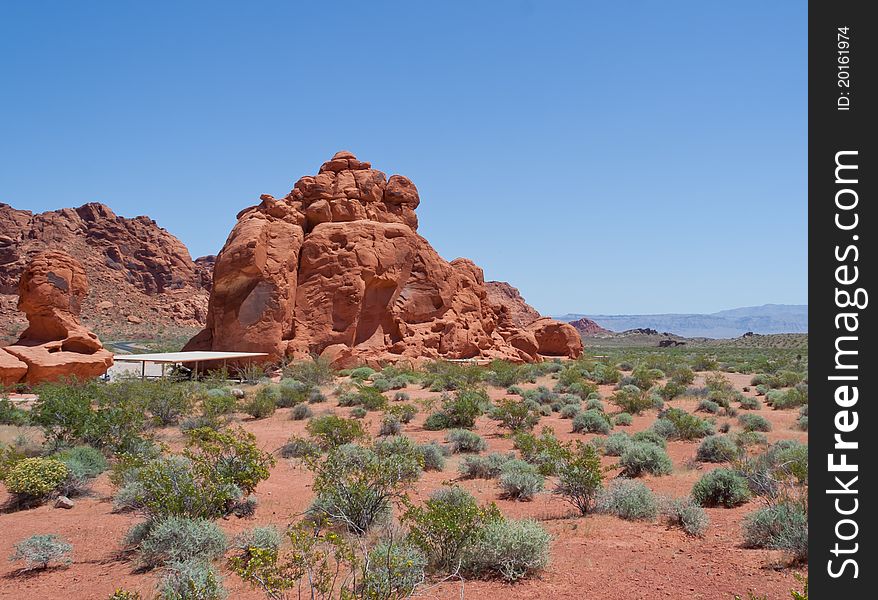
(596, 557)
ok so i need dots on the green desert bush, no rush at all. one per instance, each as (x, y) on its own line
(301, 412)
(622, 419)
(291, 392)
(642, 457)
(484, 467)
(520, 480)
(509, 549)
(515, 415)
(754, 422)
(216, 402)
(580, 476)
(11, 414)
(191, 580)
(717, 449)
(750, 403)
(594, 404)
(721, 487)
(393, 570)
(390, 425)
(708, 406)
(463, 440)
(361, 373)
(403, 412)
(433, 456)
(677, 424)
(83, 463)
(299, 447)
(783, 526)
(629, 500)
(685, 514)
(544, 451)
(401, 397)
(791, 398)
(38, 551)
(178, 539)
(33, 479)
(616, 443)
(632, 399)
(315, 372)
(330, 431)
(264, 538)
(447, 524)
(569, 411)
(650, 436)
(591, 421)
(263, 403)
(459, 411)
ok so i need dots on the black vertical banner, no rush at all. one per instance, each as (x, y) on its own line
(842, 170)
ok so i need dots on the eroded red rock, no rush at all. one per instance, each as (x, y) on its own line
(336, 268)
(55, 345)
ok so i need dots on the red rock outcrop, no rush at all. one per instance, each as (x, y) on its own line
(337, 268)
(520, 313)
(587, 327)
(135, 268)
(55, 344)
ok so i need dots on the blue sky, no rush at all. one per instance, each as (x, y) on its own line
(627, 157)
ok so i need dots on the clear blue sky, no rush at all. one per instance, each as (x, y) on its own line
(625, 157)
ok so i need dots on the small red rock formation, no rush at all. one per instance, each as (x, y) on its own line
(134, 267)
(520, 313)
(54, 345)
(587, 327)
(337, 268)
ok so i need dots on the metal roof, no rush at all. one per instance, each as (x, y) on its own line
(179, 357)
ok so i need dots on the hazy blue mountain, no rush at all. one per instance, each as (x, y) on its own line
(768, 318)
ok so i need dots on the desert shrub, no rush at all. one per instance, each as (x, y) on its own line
(459, 410)
(622, 419)
(702, 362)
(463, 440)
(569, 411)
(315, 372)
(725, 427)
(442, 375)
(676, 423)
(390, 425)
(520, 480)
(263, 403)
(501, 373)
(228, 457)
(447, 524)
(484, 467)
(594, 404)
(631, 399)
(218, 401)
(83, 463)
(361, 373)
(264, 538)
(545, 451)
(629, 500)
(403, 412)
(671, 390)
(32, 479)
(761, 390)
(682, 376)
(432, 456)
(753, 422)
(291, 392)
(392, 570)
(400, 397)
(717, 449)
(745, 439)
(315, 396)
(791, 398)
(644, 377)
(802, 423)
(355, 485)
(64, 411)
(708, 406)
(685, 514)
(541, 395)
(783, 526)
(650, 436)
(123, 594)
(721, 487)
(750, 403)
(606, 374)
(436, 421)
(591, 421)
(191, 580)
(330, 431)
(298, 447)
(580, 476)
(510, 549)
(359, 412)
(178, 539)
(515, 415)
(616, 443)
(780, 474)
(371, 398)
(301, 412)
(642, 457)
(11, 414)
(38, 551)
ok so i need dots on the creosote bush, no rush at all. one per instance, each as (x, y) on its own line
(632, 399)
(263, 403)
(580, 476)
(721, 487)
(330, 431)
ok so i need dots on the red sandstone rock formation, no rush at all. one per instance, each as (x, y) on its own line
(519, 311)
(135, 268)
(587, 327)
(54, 345)
(337, 268)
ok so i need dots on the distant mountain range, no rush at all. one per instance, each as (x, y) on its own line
(768, 318)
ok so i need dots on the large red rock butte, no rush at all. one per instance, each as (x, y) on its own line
(54, 345)
(336, 268)
(135, 268)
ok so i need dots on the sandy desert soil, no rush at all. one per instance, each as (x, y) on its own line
(597, 556)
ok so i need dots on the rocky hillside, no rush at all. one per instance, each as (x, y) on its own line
(587, 327)
(143, 280)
